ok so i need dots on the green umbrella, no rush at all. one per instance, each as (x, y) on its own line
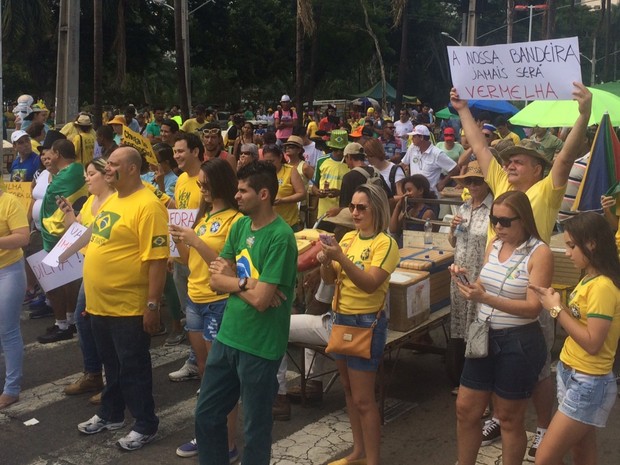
(564, 113)
(444, 113)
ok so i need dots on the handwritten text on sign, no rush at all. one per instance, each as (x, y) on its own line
(52, 277)
(21, 190)
(67, 240)
(542, 70)
(183, 218)
(140, 143)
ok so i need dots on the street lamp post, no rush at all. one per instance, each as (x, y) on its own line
(445, 34)
(531, 8)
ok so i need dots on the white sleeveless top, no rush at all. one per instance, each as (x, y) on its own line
(515, 285)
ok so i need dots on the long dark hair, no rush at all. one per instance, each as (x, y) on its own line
(222, 184)
(592, 234)
(519, 203)
(420, 182)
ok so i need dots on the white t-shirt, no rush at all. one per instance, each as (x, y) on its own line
(312, 154)
(430, 163)
(401, 130)
(38, 193)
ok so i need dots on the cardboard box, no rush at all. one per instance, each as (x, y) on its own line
(409, 299)
(436, 262)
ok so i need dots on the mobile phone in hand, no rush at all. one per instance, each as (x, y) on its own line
(463, 279)
(326, 239)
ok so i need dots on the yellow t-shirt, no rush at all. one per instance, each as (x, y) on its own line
(596, 298)
(12, 217)
(127, 233)
(380, 251)
(213, 231)
(545, 199)
(312, 129)
(331, 171)
(84, 144)
(186, 192)
(288, 211)
(86, 215)
(161, 195)
(191, 125)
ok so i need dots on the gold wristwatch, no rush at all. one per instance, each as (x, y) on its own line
(555, 311)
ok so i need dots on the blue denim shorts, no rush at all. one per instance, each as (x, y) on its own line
(585, 398)
(516, 356)
(204, 317)
(379, 336)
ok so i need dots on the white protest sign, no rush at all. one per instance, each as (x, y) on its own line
(183, 218)
(52, 277)
(540, 70)
(72, 234)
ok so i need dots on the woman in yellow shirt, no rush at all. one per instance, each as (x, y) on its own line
(290, 186)
(198, 246)
(14, 234)
(585, 378)
(361, 266)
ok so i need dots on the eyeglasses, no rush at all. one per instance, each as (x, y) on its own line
(360, 207)
(202, 186)
(502, 220)
(473, 181)
(211, 132)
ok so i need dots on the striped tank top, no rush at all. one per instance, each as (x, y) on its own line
(514, 270)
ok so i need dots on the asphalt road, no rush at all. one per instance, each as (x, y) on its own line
(421, 427)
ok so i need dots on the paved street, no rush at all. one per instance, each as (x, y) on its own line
(423, 434)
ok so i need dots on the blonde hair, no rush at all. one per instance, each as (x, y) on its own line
(377, 198)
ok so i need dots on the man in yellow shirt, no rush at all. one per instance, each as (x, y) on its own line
(523, 170)
(193, 124)
(129, 245)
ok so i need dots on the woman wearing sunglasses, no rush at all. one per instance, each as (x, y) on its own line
(361, 266)
(585, 379)
(290, 186)
(516, 345)
(468, 236)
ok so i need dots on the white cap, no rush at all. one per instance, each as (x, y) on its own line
(18, 135)
(420, 130)
(285, 98)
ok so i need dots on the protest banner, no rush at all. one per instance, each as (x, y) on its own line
(140, 143)
(72, 234)
(183, 218)
(22, 191)
(540, 70)
(52, 277)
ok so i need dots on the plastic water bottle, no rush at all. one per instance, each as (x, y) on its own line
(428, 234)
(461, 228)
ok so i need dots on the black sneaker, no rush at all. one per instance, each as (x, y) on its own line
(491, 432)
(41, 312)
(52, 329)
(56, 335)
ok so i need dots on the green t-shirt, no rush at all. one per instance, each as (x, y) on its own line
(153, 129)
(269, 255)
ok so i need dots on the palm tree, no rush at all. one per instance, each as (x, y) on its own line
(305, 26)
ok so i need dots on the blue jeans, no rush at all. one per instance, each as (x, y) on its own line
(230, 374)
(90, 356)
(12, 289)
(124, 349)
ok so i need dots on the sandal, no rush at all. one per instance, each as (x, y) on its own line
(6, 400)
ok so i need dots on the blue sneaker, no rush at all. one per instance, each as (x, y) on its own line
(189, 449)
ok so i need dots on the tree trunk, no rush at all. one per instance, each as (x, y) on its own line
(606, 66)
(551, 12)
(402, 63)
(98, 62)
(379, 57)
(510, 18)
(180, 56)
(299, 61)
(314, 50)
(119, 45)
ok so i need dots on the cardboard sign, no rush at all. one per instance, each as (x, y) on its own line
(22, 191)
(72, 234)
(183, 218)
(52, 277)
(140, 143)
(540, 70)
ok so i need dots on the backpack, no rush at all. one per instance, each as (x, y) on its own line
(392, 180)
(374, 178)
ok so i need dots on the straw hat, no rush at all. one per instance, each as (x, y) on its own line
(473, 171)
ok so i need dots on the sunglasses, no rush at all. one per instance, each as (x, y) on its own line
(360, 207)
(475, 181)
(211, 132)
(502, 220)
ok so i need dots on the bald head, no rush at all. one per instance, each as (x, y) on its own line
(130, 156)
(123, 170)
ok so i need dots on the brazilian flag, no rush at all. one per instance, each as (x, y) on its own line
(68, 183)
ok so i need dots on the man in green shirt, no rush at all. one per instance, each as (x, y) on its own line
(244, 360)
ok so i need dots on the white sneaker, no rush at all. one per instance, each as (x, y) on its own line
(135, 440)
(97, 424)
(531, 453)
(187, 372)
